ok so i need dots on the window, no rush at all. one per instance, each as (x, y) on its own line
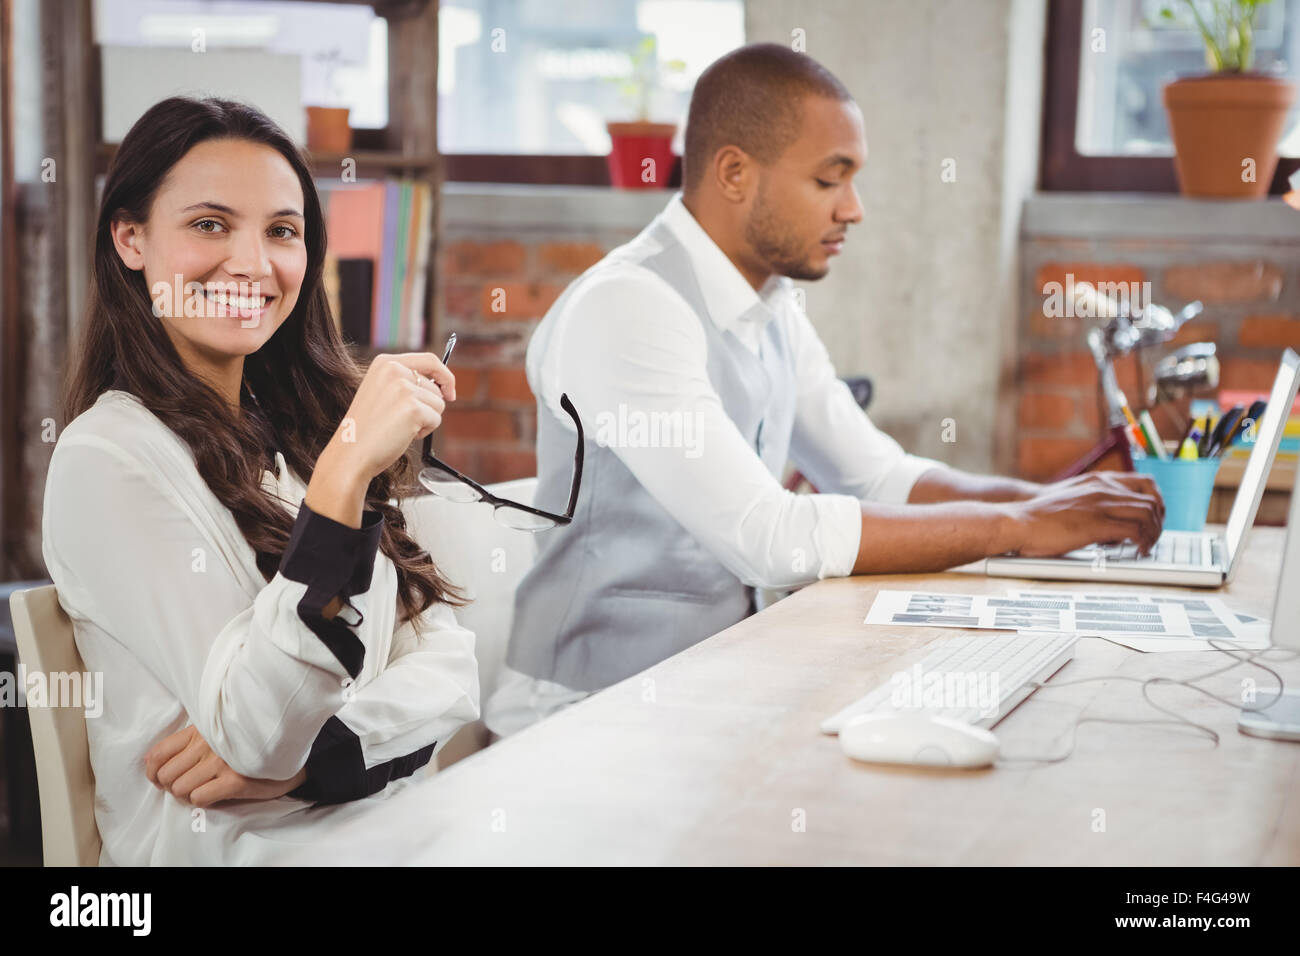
(1105, 125)
(343, 49)
(525, 89)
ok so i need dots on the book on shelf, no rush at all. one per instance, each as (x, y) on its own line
(379, 234)
(356, 293)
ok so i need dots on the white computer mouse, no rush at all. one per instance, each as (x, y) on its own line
(916, 737)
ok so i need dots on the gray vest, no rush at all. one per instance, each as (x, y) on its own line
(625, 586)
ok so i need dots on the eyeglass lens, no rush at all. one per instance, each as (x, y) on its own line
(446, 485)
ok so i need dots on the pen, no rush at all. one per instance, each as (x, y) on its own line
(1218, 441)
(1152, 436)
(1135, 441)
(446, 355)
(1248, 420)
(1203, 444)
(1128, 413)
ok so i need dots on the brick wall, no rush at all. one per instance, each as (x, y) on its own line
(1250, 288)
(503, 262)
(495, 283)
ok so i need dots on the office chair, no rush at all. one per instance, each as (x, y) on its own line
(69, 834)
(861, 389)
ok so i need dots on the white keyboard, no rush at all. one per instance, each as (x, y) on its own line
(978, 678)
(1188, 549)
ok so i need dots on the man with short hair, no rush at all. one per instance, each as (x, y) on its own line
(697, 376)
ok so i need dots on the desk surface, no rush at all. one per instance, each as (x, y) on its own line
(714, 757)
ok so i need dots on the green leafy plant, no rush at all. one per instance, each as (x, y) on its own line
(647, 75)
(1228, 29)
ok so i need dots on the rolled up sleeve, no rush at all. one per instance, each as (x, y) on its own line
(628, 342)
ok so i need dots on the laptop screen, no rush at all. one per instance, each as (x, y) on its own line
(1268, 437)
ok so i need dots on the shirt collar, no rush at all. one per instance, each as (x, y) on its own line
(728, 296)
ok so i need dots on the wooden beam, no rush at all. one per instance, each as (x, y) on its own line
(11, 353)
(79, 80)
(48, 253)
(413, 114)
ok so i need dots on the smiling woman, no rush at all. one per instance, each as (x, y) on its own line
(247, 238)
(219, 512)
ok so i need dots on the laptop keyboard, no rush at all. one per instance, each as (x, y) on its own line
(1188, 550)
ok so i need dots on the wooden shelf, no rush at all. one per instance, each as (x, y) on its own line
(367, 352)
(326, 163)
(1276, 500)
(1281, 478)
(374, 159)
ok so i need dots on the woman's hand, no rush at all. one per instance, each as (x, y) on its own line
(400, 399)
(183, 764)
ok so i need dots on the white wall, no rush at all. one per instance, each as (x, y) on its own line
(922, 298)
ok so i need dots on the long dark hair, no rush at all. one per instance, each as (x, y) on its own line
(303, 377)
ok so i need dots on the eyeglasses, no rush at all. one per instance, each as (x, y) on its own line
(446, 482)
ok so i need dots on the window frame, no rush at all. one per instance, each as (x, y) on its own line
(533, 169)
(1062, 167)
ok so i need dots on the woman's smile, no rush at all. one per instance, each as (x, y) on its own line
(242, 306)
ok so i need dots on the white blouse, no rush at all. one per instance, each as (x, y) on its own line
(168, 604)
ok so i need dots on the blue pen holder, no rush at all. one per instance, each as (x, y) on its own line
(1186, 485)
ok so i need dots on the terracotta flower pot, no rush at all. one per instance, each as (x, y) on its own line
(641, 154)
(1219, 121)
(328, 130)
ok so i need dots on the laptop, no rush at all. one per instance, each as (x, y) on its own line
(1186, 558)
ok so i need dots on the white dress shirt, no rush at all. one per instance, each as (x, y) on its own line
(627, 338)
(168, 604)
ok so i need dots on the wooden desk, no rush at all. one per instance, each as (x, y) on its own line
(714, 756)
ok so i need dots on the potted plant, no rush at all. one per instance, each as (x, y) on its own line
(327, 126)
(641, 152)
(1226, 124)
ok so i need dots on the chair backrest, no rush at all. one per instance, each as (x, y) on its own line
(486, 559)
(69, 835)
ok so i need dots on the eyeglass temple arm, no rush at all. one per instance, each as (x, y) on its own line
(577, 457)
(488, 496)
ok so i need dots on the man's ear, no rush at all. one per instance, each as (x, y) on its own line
(127, 238)
(735, 172)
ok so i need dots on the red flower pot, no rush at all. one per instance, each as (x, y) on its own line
(641, 154)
